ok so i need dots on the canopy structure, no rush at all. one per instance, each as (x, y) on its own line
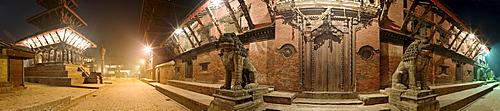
(65, 34)
(60, 45)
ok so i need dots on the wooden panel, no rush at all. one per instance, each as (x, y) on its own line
(326, 60)
(16, 72)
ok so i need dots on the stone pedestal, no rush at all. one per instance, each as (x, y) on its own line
(410, 100)
(237, 100)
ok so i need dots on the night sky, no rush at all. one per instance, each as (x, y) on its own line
(115, 23)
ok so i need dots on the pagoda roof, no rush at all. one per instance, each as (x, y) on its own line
(48, 4)
(55, 36)
(55, 17)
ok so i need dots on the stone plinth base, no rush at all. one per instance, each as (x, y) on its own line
(60, 74)
(237, 100)
(91, 79)
(410, 100)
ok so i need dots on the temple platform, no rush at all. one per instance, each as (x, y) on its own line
(60, 75)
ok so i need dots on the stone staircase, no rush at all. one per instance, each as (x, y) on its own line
(61, 75)
(195, 96)
(451, 97)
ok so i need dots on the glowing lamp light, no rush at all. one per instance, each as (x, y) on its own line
(472, 36)
(178, 31)
(147, 49)
(143, 61)
(216, 2)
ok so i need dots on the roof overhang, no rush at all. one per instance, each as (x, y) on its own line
(57, 16)
(60, 35)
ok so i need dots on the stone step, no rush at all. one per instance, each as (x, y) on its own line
(310, 107)
(203, 88)
(447, 89)
(279, 97)
(457, 100)
(192, 100)
(59, 81)
(327, 101)
(328, 95)
(370, 99)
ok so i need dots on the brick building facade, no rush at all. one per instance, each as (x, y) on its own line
(320, 45)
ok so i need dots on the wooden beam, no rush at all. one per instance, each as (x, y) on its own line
(231, 12)
(475, 49)
(471, 48)
(407, 17)
(457, 35)
(178, 44)
(214, 21)
(436, 27)
(270, 10)
(246, 14)
(420, 20)
(463, 40)
(203, 27)
(194, 35)
(188, 37)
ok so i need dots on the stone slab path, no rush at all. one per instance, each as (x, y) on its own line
(129, 94)
(489, 102)
(38, 94)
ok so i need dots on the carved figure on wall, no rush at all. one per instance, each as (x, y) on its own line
(412, 69)
(234, 57)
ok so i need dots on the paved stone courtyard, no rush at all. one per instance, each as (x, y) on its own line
(128, 94)
(489, 102)
(37, 94)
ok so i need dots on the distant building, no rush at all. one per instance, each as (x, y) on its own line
(11, 66)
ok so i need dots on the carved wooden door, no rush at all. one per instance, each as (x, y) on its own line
(326, 54)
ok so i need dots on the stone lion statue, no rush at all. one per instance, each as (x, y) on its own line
(235, 60)
(412, 69)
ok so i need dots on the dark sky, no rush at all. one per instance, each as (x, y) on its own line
(114, 23)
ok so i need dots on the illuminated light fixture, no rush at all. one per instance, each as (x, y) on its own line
(178, 31)
(147, 49)
(472, 36)
(61, 35)
(216, 2)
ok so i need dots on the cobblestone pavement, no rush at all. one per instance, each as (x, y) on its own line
(489, 102)
(129, 94)
(37, 94)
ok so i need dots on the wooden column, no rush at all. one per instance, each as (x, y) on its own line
(203, 27)
(231, 13)
(475, 44)
(437, 26)
(410, 12)
(463, 40)
(194, 35)
(420, 20)
(455, 39)
(214, 21)
(246, 14)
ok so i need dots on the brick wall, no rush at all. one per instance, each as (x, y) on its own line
(367, 73)
(287, 70)
(390, 57)
(4, 74)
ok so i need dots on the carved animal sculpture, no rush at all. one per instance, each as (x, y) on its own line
(412, 69)
(235, 59)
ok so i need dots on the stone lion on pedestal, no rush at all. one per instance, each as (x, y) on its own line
(412, 69)
(235, 60)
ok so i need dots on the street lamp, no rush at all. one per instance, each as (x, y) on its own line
(147, 49)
